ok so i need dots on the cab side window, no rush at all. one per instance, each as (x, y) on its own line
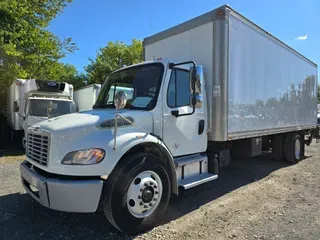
(179, 88)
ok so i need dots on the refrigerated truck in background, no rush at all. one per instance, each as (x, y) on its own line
(28, 101)
(210, 87)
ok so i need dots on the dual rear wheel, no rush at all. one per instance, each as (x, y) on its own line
(293, 148)
(290, 147)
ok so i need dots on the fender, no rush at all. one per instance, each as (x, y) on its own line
(138, 142)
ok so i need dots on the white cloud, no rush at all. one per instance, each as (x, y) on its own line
(302, 37)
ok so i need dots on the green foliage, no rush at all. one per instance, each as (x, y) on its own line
(111, 58)
(27, 48)
(69, 74)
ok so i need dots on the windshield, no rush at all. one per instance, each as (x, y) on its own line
(39, 107)
(140, 83)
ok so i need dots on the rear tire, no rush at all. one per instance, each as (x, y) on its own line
(293, 148)
(136, 193)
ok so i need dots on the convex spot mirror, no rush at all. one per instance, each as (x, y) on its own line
(120, 100)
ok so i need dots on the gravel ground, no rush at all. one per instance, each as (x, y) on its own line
(253, 199)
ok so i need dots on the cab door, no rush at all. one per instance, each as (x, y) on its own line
(184, 131)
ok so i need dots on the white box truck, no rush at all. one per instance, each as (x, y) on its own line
(226, 86)
(28, 102)
(86, 97)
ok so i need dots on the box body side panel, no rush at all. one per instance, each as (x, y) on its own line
(85, 98)
(15, 93)
(270, 86)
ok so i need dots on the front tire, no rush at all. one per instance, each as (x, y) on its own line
(137, 193)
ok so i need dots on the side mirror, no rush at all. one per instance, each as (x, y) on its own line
(15, 106)
(196, 80)
(120, 100)
(49, 109)
(192, 79)
(196, 101)
(74, 107)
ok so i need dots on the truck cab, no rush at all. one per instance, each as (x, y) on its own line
(162, 113)
(37, 108)
(32, 101)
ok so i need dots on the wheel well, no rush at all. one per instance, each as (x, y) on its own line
(160, 152)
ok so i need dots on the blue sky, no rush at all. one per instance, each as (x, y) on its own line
(93, 23)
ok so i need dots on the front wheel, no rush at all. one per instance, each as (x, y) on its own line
(137, 193)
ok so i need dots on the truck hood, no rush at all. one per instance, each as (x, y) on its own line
(93, 118)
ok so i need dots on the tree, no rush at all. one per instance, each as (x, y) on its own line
(70, 74)
(27, 48)
(111, 58)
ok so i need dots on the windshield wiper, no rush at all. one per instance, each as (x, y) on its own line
(103, 106)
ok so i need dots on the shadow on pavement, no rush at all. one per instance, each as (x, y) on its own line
(240, 172)
(21, 217)
(12, 152)
(13, 148)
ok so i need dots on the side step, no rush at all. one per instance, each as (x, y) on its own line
(193, 170)
(197, 180)
(186, 160)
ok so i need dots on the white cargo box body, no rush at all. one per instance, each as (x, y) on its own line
(256, 85)
(86, 97)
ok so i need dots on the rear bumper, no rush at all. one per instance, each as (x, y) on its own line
(62, 195)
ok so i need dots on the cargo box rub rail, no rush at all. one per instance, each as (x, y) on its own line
(221, 87)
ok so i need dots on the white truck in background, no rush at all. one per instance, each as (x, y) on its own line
(86, 97)
(226, 86)
(32, 101)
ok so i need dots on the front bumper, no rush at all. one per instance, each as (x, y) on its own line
(62, 195)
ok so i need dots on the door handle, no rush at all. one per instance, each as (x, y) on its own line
(175, 113)
(201, 127)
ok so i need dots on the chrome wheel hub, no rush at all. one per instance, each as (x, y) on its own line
(144, 194)
(297, 147)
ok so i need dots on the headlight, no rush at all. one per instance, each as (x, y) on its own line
(84, 157)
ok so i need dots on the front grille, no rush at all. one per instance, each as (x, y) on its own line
(38, 147)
